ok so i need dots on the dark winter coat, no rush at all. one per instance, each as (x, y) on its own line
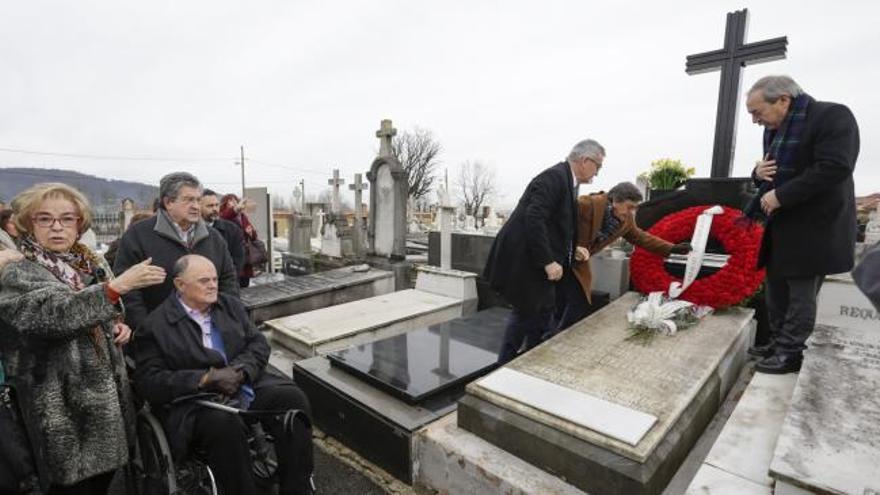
(814, 231)
(156, 238)
(72, 391)
(540, 230)
(234, 238)
(171, 358)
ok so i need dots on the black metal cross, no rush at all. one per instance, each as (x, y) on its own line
(731, 59)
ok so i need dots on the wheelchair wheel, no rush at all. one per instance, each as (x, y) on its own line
(157, 474)
(196, 478)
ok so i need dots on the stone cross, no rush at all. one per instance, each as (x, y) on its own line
(358, 187)
(335, 182)
(385, 133)
(731, 59)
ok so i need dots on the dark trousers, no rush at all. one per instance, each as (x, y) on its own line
(573, 303)
(524, 327)
(791, 308)
(90, 486)
(223, 438)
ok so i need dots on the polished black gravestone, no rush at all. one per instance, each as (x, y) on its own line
(375, 397)
(284, 295)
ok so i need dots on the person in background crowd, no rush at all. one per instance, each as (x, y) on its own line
(61, 348)
(177, 230)
(231, 232)
(8, 231)
(232, 209)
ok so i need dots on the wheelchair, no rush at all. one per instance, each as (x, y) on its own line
(157, 473)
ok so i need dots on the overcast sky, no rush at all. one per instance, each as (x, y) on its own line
(303, 85)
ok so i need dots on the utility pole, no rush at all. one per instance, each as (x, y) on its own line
(242, 172)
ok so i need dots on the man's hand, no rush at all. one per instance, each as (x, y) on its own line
(765, 169)
(681, 248)
(581, 253)
(224, 380)
(554, 271)
(769, 203)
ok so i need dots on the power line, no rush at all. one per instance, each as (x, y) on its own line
(113, 157)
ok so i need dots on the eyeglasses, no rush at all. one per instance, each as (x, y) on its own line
(598, 164)
(47, 221)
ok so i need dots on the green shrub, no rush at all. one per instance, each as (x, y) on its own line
(667, 174)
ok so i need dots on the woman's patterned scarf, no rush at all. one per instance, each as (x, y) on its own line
(70, 267)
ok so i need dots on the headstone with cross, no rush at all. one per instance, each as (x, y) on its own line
(388, 193)
(358, 186)
(385, 133)
(730, 60)
(336, 181)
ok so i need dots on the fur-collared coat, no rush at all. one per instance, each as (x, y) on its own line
(72, 388)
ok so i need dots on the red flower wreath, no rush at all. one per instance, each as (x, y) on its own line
(732, 284)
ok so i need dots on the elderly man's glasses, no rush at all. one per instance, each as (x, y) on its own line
(598, 164)
(47, 221)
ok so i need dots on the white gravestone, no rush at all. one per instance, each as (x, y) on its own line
(842, 304)
(388, 194)
(872, 230)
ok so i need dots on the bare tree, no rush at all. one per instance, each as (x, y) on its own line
(476, 184)
(418, 152)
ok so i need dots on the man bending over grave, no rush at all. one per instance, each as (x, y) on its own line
(200, 340)
(806, 193)
(602, 219)
(528, 255)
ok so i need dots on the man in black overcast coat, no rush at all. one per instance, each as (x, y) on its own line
(536, 242)
(230, 231)
(811, 229)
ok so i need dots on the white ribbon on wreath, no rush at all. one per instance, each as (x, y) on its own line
(656, 314)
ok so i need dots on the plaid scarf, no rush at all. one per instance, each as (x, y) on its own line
(780, 144)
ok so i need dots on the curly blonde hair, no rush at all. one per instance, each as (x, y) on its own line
(27, 202)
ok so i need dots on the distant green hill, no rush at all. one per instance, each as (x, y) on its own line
(99, 191)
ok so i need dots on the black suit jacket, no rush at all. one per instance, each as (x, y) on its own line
(541, 230)
(234, 237)
(814, 231)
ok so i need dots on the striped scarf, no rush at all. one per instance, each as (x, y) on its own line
(781, 145)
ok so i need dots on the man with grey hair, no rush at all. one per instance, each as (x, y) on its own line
(536, 243)
(806, 199)
(175, 231)
(602, 219)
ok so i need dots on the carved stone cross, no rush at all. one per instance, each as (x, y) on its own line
(336, 181)
(385, 133)
(357, 187)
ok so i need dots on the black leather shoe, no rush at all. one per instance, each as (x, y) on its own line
(780, 364)
(761, 351)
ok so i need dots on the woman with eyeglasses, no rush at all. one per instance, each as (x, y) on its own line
(61, 351)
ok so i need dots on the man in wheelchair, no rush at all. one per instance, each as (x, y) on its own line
(197, 342)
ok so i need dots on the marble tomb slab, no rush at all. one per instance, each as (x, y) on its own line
(358, 322)
(830, 439)
(290, 295)
(680, 380)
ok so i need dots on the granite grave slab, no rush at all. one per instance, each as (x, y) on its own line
(679, 380)
(375, 397)
(286, 295)
(830, 439)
